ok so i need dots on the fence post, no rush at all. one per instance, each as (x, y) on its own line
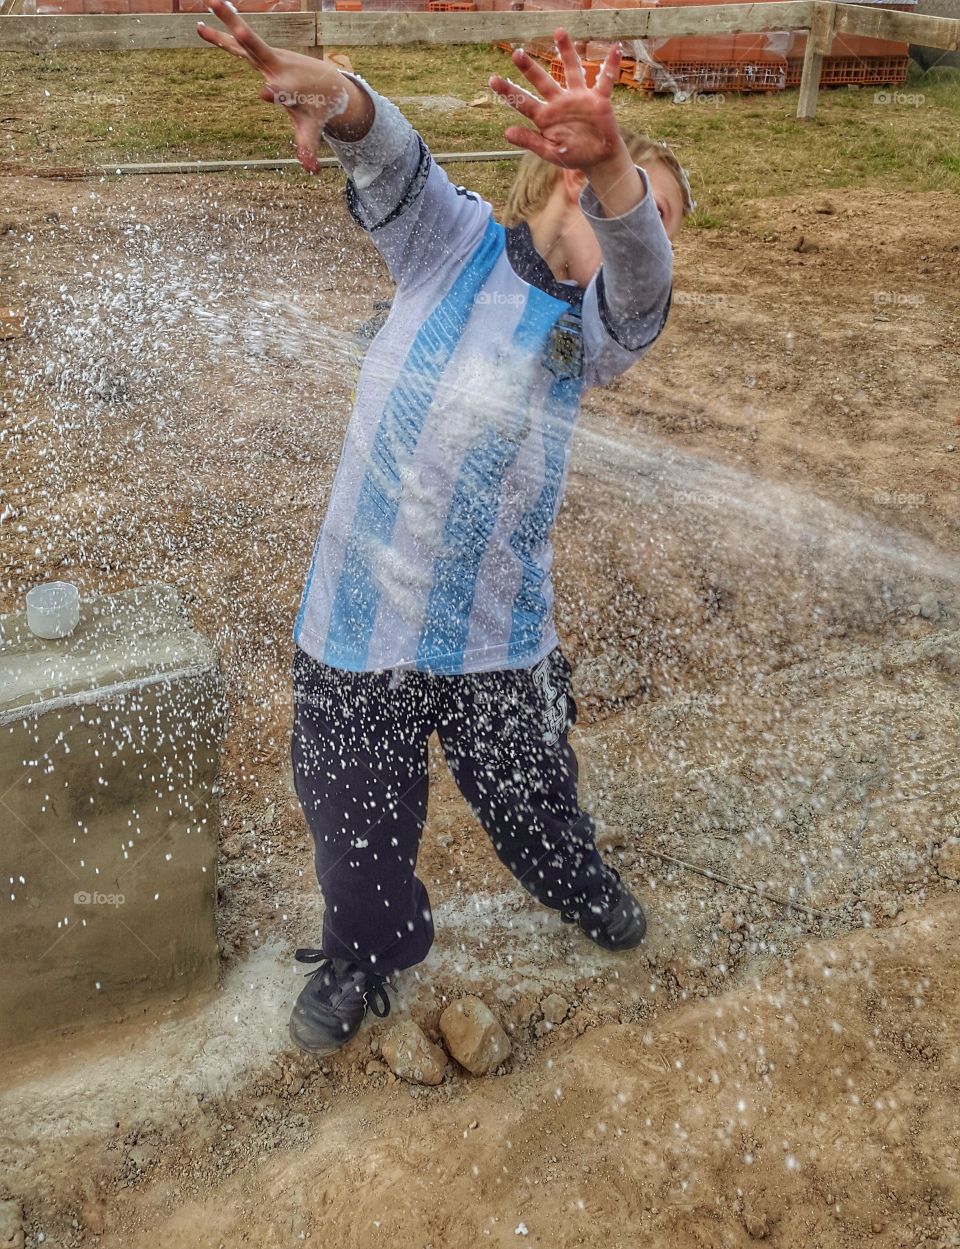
(311, 6)
(819, 41)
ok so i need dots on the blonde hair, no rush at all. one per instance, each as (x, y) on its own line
(536, 177)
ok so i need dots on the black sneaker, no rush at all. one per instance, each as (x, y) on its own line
(619, 925)
(331, 1006)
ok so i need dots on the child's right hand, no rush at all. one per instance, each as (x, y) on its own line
(312, 91)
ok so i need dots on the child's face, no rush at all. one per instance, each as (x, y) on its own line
(668, 196)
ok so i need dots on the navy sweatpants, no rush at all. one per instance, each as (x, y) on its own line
(360, 766)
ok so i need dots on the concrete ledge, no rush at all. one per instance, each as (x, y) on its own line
(109, 747)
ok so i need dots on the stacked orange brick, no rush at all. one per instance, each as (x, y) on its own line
(745, 62)
(704, 63)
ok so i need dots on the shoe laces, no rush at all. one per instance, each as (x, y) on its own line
(376, 986)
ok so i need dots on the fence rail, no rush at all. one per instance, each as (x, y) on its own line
(316, 30)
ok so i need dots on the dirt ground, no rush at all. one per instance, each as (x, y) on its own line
(758, 573)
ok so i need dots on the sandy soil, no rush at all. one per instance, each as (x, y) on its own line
(758, 584)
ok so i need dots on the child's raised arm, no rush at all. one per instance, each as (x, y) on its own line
(314, 92)
(423, 225)
(625, 305)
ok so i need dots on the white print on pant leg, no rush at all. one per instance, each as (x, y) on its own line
(555, 702)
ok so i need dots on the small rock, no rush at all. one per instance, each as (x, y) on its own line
(411, 1055)
(824, 207)
(929, 606)
(375, 1068)
(555, 1008)
(269, 815)
(760, 1215)
(232, 847)
(582, 1020)
(445, 840)
(474, 1036)
(685, 975)
(481, 101)
(11, 1225)
(948, 860)
(524, 1008)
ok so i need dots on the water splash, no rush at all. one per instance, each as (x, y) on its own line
(189, 430)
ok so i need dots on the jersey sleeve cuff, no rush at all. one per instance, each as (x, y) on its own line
(385, 142)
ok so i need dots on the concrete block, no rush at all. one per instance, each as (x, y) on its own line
(109, 748)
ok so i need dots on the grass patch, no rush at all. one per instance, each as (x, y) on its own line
(108, 108)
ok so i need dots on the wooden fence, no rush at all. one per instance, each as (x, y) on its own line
(316, 30)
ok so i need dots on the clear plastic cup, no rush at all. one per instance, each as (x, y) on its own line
(53, 610)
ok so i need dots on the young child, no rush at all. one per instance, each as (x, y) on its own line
(428, 605)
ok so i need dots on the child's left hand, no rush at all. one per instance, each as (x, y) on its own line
(575, 124)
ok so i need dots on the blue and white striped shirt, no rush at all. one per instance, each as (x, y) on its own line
(434, 553)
